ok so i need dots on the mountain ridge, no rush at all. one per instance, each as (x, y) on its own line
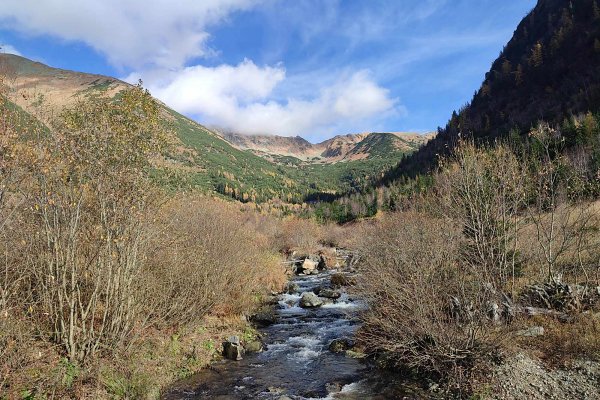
(203, 159)
(336, 149)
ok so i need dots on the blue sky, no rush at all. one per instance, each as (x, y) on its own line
(314, 68)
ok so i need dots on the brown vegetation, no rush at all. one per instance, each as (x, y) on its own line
(443, 281)
(105, 280)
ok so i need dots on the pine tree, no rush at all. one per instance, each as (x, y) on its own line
(537, 55)
(519, 74)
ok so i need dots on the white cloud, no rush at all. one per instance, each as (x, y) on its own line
(132, 33)
(158, 38)
(240, 98)
(8, 49)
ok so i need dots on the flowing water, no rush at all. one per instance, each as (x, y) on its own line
(296, 363)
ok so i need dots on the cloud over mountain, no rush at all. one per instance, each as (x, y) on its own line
(240, 98)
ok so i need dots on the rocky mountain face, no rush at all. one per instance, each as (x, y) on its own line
(339, 148)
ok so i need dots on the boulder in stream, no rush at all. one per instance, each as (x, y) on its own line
(308, 266)
(254, 346)
(310, 300)
(264, 318)
(232, 348)
(340, 345)
(330, 294)
(291, 288)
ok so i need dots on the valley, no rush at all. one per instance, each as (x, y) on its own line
(189, 242)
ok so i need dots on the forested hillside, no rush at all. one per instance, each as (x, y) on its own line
(548, 71)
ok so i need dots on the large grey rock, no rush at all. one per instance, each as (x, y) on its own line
(308, 266)
(232, 349)
(264, 318)
(310, 300)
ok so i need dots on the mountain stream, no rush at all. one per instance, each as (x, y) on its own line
(296, 363)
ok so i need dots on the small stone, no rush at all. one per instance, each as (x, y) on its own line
(534, 331)
(330, 294)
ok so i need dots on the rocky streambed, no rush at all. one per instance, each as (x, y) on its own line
(307, 352)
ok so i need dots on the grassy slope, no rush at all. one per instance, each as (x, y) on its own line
(205, 161)
(221, 164)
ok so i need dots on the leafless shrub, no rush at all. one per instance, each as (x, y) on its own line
(483, 190)
(298, 234)
(563, 225)
(89, 199)
(427, 309)
(207, 257)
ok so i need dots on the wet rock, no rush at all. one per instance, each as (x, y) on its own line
(232, 349)
(333, 387)
(276, 390)
(534, 331)
(330, 294)
(308, 266)
(264, 318)
(313, 394)
(310, 300)
(291, 288)
(254, 346)
(340, 345)
(290, 303)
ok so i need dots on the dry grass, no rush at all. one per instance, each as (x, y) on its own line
(564, 342)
